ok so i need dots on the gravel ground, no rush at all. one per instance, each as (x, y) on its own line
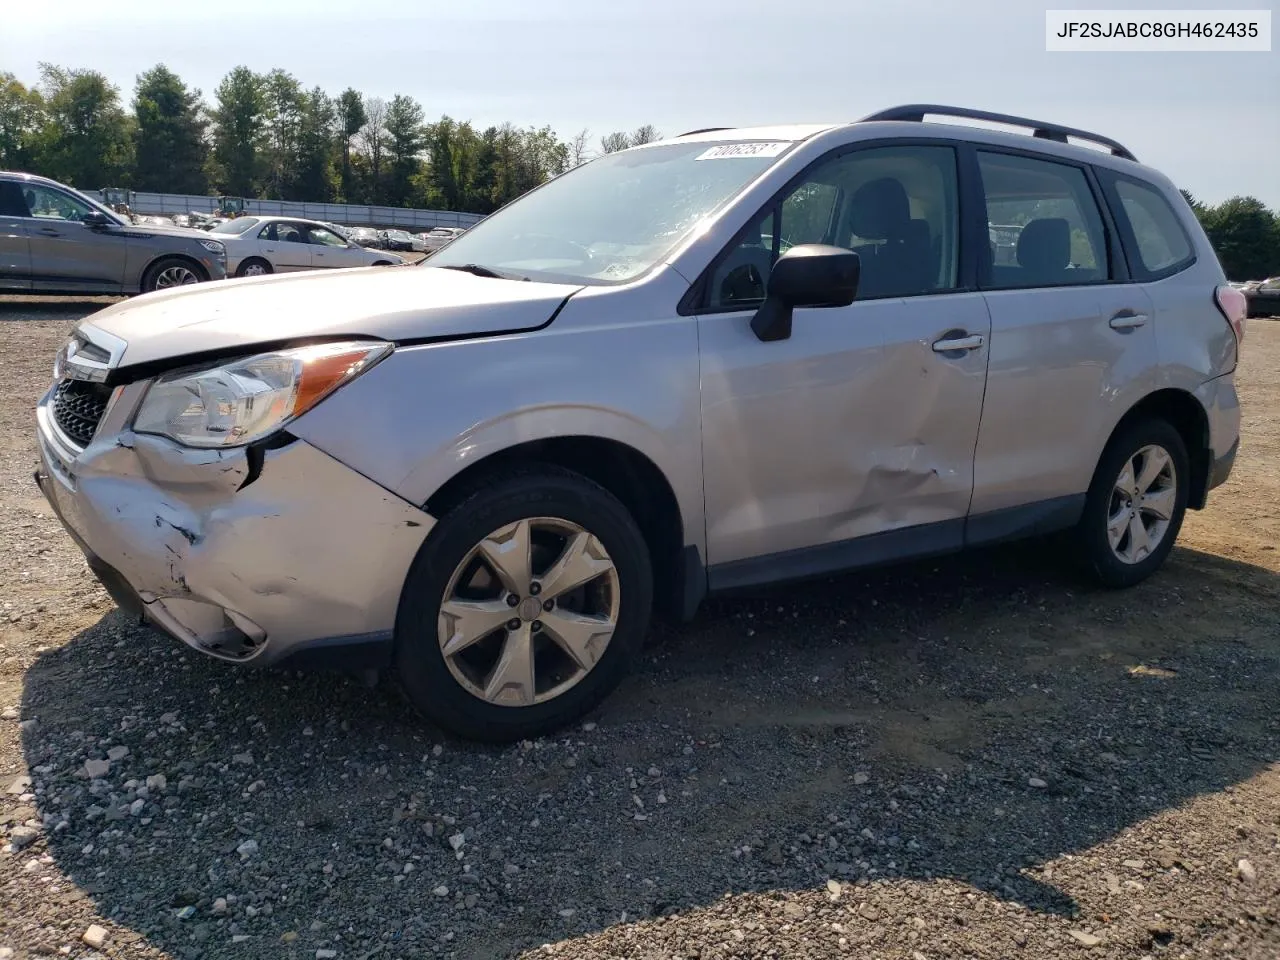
(977, 758)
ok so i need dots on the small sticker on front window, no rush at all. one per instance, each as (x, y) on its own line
(727, 151)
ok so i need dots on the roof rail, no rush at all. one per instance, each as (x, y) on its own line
(690, 133)
(1045, 131)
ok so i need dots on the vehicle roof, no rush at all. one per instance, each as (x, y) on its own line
(280, 216)
(36, 178)
(929, 129)
(788, 132)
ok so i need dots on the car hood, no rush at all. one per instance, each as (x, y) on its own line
(388, 303)
(167, 231)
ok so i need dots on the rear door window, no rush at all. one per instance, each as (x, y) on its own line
(1043, 223)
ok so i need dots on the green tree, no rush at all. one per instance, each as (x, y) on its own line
(373, 144)
(479, 198)
(283, 97)
(169, 137)
(315, 163)
(406, 139)
(239, 122)
(21, 116)
(1246, 237)
(351, 117)
(86, 139)
(542, 156)
(444, 186)
(1196, 206)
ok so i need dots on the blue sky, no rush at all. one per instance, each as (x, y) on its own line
(1209, 120)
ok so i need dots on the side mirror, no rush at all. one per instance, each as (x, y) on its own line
(808, 275)
(95, 218)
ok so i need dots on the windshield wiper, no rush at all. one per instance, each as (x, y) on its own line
(480, 270)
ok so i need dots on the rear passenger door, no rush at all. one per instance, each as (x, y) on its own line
(1072, 342)
(15, 256)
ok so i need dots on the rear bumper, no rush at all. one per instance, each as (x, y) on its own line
(1220, 469)
(1221, 405)
(302, 565)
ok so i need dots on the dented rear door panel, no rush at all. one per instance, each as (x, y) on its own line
(853, 426)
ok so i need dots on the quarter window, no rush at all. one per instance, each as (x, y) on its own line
(895, 207)
(1160, 239)
(1043, 223)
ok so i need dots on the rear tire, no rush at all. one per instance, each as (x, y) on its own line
(254, 267)
(461, 669)
(1136, 504)
(169, 272)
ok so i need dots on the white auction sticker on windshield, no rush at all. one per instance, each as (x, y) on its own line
(727, 151)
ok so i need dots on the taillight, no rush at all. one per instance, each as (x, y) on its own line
(1234, 305)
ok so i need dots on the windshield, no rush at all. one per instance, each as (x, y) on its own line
(612, 219)
(238, 226)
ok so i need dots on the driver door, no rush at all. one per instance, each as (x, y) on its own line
(66, 254)
(285, 245)
(852, 441)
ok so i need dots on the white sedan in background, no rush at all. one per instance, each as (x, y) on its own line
(262, 245)
(435, 239)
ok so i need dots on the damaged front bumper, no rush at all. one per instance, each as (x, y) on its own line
(262, 555)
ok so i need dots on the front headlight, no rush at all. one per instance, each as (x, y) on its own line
(214, 246)
(245, 400)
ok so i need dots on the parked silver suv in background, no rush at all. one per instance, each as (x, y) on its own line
(56, 240)
(722, 360)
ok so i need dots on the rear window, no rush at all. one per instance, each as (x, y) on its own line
(1161, 242)
(237, 226)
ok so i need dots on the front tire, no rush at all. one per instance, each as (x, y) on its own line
(1136, 504)
(524, 608)
(169, 272)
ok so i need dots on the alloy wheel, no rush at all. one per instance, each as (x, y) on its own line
(1142, 504)
(529, 611)
(175, 276)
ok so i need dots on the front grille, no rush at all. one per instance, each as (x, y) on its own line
(78, 405)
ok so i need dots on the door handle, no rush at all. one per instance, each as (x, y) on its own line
(50, 232)
(1128, 321)
(959, 343)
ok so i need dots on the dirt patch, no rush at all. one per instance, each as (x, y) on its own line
(977, 757)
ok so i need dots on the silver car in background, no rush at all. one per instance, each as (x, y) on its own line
(257, 246)
(439, 237)
(696, 366)
(56, 240)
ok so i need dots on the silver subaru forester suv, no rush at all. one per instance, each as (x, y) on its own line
(730, 358)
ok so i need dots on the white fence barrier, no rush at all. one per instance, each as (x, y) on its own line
(167, 204)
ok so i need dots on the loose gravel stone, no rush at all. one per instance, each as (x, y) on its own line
(95, 936)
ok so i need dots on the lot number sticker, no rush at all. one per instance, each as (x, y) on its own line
(727, 151)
